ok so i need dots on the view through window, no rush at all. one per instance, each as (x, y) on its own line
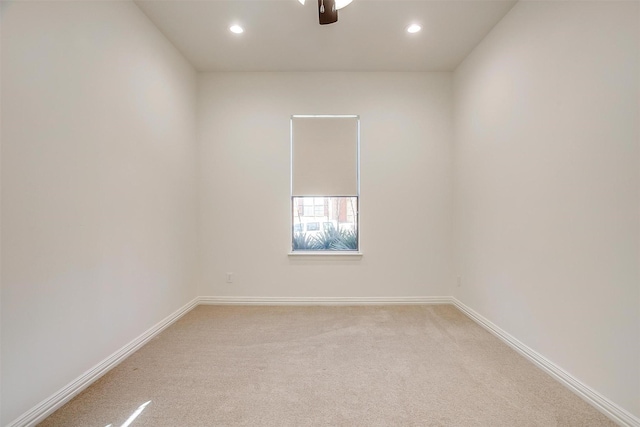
(325, 223)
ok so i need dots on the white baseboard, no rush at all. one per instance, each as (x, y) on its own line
(323, 300)
(48, 406)
(601, 403)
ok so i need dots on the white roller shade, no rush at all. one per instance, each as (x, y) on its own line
(324, 156)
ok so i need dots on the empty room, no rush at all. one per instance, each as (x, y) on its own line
(320, 212)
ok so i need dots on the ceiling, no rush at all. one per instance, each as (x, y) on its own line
(283, 35)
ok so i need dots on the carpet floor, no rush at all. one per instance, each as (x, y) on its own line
(326, 366)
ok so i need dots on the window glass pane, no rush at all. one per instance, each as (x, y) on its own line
(330, 223)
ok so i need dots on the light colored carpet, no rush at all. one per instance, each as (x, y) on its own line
(327, 366)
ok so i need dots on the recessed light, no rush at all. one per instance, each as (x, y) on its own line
(237, 29)
(413, 28)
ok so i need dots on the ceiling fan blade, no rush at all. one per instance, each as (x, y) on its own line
(327, 12)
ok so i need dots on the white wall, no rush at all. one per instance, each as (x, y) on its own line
(547, 187)
(405, 183)
(98, 189)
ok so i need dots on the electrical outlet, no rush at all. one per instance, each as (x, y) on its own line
(459, 281)
(229, 277)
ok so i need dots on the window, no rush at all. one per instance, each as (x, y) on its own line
(308, 207)
(325, 183)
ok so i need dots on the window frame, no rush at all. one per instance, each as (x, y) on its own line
(324, 252)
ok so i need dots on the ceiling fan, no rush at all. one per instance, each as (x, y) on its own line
(328, 10)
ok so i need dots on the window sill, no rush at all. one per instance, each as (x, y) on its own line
(325, 254)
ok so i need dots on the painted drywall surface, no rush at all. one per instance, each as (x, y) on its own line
(0, 238)
(547, 187)
(405, 183)
(98, 189)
